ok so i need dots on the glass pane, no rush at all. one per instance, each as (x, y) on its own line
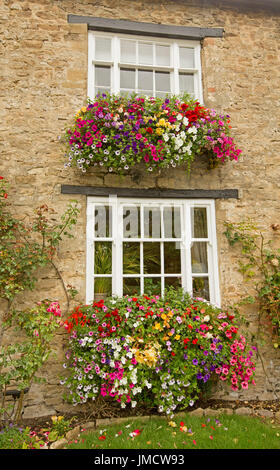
(102, 48)
(186, 82)
(199, 222)
(163, 81)
(172, 222)
(172, 258)
(151, 252)
(201, 287)
(131, 222)
(128, 51)
(102, 257)
(103, 221)
(145, 52)
(145, 79)
(162, 55)
(102, 76)
(131, 286)
(101, 91)
(131, 258)
(175, 282)
(186, 57)
(199, 257)
(152, 222)
(127, 78)
(145, 92)
(152, 286)
(102, 288)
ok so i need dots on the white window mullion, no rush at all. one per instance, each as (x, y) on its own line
(187, 246)
(90, 254)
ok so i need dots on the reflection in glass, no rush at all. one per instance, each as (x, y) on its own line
(151, 252)
(199, 222)
(103, 221)
(102, 258)
(152, 221)
(201, 287)
(152, 286)
(131, 222)
(172, 222)
(199, 257)
(102, 287)
(131, 258)
(131, 286)
(175, 282)
(172, 258)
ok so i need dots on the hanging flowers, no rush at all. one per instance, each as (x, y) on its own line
(118, 132)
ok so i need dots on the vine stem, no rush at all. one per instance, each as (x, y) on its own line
(63, 284)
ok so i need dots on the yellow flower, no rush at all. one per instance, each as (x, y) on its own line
(163, 316)
(177, 337)
(157, 326)
(170, 333)
(159, 131)
(172, 424)
(161, 122)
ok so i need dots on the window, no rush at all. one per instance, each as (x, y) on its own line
(148, 66)
(140, 245)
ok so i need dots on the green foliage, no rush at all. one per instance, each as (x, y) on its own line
(260, 264)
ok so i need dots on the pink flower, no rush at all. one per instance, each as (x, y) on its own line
(244, 385)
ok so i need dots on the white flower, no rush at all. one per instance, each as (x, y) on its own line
(185, 121)
(133, 404)
(179, 117)
(165, 137)
(206, 318)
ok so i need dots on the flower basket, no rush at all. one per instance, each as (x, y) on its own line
(119, 132)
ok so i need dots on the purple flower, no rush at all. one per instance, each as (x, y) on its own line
(195, 362)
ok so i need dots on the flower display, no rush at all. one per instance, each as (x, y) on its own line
(118, 132)
(167, 348)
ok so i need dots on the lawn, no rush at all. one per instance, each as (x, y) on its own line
(184, 432)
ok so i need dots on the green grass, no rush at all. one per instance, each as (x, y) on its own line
(223, 432)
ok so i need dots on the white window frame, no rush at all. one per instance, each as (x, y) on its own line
(115, 62)
(117, 204)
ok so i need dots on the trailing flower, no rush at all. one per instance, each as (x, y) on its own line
(118, 132)
(126, 349)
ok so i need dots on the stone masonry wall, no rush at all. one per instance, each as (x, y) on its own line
(44, 82)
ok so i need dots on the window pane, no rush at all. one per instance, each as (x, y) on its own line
(131, 258)
(131, 286)
(102, 258)
(162, 55)
(131, 222)
(100, 90)
(186, 82)
(145, 80)
(128, 51)
(102, 76)
(127, 78)
(199, 222)
(172, 258)
(199, 257)
(175, 282)
(145, 52)
(151, 252)
(102, 288)
(186, 55)
(103, 221)
(201, 287)
(152, 220)
(152, 286)
(163, 81)
(102, 48)
(172, 222)
(145, 92)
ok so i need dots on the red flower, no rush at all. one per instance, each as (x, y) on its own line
(149, 130)
(194, 341)
(173, 353)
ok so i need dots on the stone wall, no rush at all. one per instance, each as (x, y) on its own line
(44, 73)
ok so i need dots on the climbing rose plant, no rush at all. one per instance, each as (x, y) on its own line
(137, 347)
(118, 132)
